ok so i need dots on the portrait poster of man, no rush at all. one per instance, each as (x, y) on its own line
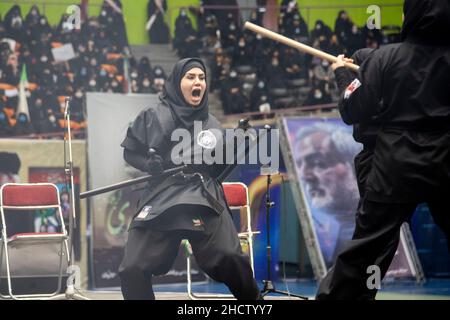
(322, 152)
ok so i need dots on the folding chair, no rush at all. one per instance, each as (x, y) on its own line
(26, 255)
(236, 195)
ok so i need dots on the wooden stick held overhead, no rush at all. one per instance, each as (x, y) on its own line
(295, 44)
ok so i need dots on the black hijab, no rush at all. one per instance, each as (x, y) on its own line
(173, 97)
(427, 21)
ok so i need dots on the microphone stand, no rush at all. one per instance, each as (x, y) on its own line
(269, 286)
(70, 291)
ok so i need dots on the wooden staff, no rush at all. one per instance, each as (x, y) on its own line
(295, 44)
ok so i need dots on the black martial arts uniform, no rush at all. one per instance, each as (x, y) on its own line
(364, 133)
(189, 205)
(406, 87)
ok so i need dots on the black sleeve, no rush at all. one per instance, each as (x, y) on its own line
(136, 160)
(143, 134)
(360, 101)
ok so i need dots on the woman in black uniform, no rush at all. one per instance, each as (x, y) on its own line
(188, 205)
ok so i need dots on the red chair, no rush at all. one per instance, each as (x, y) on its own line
(236, 195)
(30, 254)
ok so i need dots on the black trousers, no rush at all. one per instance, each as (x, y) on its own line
(217, 250)
(374, 242)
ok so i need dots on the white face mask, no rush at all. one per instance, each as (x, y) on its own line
(78, 94)
(318, 94)
(52, 118)
(92, 83)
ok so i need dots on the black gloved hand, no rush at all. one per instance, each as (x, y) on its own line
(244, 124)
(155, 164)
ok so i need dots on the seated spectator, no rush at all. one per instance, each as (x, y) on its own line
(159, 79)
(321, 30)
(5, 126)
(318, 95)
(22, 125)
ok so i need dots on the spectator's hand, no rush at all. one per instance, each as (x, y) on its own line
(340, 62)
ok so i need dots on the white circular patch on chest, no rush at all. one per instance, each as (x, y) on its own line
(206, 139)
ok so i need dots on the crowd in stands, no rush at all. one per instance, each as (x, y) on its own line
(101, 62)
(248, 72)
(253, 74)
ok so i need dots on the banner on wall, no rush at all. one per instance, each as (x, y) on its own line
(46, 220)
(320, 157)
(111, 213)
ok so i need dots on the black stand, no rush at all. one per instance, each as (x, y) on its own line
(70, 293)
(269, 287)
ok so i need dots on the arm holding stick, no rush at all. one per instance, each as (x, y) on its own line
(297, 45)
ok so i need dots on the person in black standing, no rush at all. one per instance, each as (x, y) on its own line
(158, 31)
(189, 205)
(406, 87)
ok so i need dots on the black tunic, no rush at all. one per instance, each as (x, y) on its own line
(195, 186)
(406, 87)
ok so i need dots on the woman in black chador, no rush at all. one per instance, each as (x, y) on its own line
(189, 205)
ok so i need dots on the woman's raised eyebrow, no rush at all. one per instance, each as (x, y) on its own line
(194, 74)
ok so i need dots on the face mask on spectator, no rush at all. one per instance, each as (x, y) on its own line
(318, 94)
(158, 72)
(103, 73)
(261, 85)
(325, 63)
(22, 118)
(232, 27)
(92, 83)
(134, 75)
(43, 21)
(146, 83)
(241, 43)
(52, 118)
(44, 59)
(318, 27)
(16, 22)
(28, 93)
(183, 13)
(233, 74)
(114, 84)
(78, 94)
(103, 13)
